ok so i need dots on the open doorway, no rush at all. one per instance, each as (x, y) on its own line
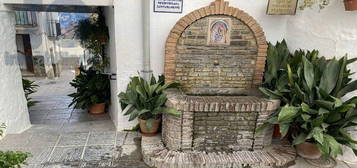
(50, 53)
(24, 51)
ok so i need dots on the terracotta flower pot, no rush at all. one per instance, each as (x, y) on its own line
(103, 39)
(276, 133)
(77, 71)
(97, 108)
(308, 151)
(350, 5)
(145, 131)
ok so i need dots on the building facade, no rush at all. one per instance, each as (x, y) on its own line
(38, 45)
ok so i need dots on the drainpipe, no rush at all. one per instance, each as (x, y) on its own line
(146, 72)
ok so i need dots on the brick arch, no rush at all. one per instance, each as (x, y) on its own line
(219, 7)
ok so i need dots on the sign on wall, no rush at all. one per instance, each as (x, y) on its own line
(168, 6)
(282, 7)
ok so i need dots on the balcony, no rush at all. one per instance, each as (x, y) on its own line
(26, 19)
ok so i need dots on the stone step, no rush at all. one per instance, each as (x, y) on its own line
(155, 154)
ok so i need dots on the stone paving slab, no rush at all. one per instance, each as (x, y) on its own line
(99, 153)
(73, 139)
(120, 138)
(102, 138)
(66, 154)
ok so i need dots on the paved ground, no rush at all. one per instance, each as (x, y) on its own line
(64, 138)
(53, 103)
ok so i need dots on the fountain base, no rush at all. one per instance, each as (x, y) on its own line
(277, 155)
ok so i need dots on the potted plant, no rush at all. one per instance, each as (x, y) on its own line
(93, 91)
(350, 5)
(311, 88)
(145, 100)
(94, 35)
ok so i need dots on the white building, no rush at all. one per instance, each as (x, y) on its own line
(38, 46)
(138, 36)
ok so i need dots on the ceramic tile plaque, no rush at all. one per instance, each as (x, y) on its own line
(282, 7)
(168, 6)
(219, 32)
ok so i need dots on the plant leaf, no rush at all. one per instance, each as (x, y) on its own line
(284, 129)
(300, 139)
(308, 73)
(329, 76)
(335, 147)
(347, 89)
(149, 123)
(318, 135)
(287, 113)
(307, 109)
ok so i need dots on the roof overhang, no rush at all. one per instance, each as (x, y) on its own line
(78, 6)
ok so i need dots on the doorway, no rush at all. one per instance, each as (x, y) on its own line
(24, 51)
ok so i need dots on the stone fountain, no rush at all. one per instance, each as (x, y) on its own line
(217, 53)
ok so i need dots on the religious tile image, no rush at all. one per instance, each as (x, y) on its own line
(219, 31)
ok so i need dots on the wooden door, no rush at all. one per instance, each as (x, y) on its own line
(28, 52)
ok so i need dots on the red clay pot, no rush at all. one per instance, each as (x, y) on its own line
(145, 131)
(350, 5)
(77, 71)
(308, 151)
(97, 109)
(277, 133)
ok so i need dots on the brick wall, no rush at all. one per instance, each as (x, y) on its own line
(217, 123)
(221, 8)
(224, 131)
(195, 60)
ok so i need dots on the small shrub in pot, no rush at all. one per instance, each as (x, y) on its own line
(93, 91)
(145, 100)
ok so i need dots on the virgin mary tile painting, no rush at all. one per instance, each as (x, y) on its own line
(219, 31)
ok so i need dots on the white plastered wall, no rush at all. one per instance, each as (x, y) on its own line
(129, 50)
(13, 105)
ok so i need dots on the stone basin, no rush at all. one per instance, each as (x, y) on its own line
(217, 123)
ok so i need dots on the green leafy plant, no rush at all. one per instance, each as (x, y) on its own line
(311, 88)
(94, 34)
(146, 99)
(11, 159)
(92, 88)
(29, 87)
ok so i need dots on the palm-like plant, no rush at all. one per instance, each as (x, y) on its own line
(92, 88)
(29, 88)
(146, 99)
(311, 88)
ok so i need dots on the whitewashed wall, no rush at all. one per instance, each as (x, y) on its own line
(13, 108)
(129, 49)
(111, 53)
